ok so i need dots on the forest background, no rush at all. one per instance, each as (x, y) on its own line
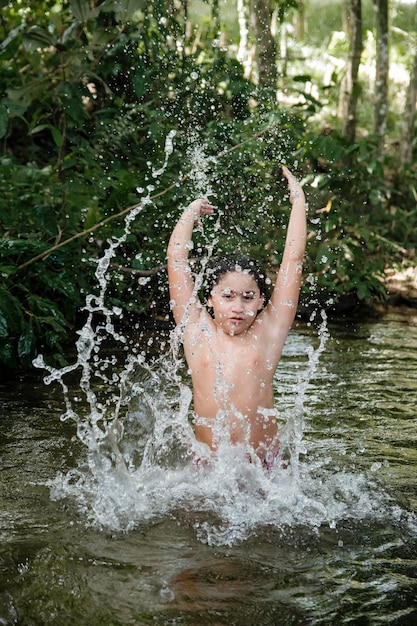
(112, 104)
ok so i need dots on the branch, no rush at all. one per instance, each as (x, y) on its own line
(88, 231)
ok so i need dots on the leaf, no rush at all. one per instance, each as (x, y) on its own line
(57, 136)
(4, 119)
(375, 196)
(10, 247)
(7, 270)
(363, 292)
(26, 345)
(11, 310)
(36, 38)
(92, 216)
(82, 10)
(39, 128)
(47, 311)
(8, 354)
(71, 96)
(3, 326)
(32, 90)
(45, 216)
(329, 149)
(124, 9)
(14, 109)
(302, 78)
(12, 35)
(56, 133)
(141, 82)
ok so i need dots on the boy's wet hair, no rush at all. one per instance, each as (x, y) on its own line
(219, 266)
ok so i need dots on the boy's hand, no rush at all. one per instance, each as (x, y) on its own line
(296, 191)
(200, 207)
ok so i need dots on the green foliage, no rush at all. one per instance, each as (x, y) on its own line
(89, 93)
(364, 224)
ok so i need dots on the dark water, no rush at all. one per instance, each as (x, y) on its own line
(349, 556)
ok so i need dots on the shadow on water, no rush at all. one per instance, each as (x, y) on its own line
(338, 546)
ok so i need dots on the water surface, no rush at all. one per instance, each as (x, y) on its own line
(333, 541)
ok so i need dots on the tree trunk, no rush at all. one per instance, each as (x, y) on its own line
(215, 17)
(244, 54)
(299, 21)
(410, 112)
(350, 88)
(266, 50)
(381, 71)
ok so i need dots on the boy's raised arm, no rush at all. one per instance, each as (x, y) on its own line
(181, 283)
(287, 286)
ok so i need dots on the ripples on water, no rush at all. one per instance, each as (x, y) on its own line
(330, 539)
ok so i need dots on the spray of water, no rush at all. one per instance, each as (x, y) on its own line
(141, 458)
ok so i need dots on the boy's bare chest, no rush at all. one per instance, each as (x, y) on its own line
(226, 355)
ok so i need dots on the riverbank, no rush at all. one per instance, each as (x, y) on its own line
(402, 287)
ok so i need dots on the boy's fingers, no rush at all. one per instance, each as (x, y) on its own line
(206, 206)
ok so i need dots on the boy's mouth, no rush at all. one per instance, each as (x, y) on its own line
(236, 320)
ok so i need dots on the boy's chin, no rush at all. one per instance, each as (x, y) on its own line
(237, 329)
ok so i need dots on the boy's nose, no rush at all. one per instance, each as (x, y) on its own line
(238, 305)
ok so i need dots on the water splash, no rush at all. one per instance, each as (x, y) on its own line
(169, 148)
(141, 459)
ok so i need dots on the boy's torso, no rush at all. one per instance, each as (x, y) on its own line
(232, 376)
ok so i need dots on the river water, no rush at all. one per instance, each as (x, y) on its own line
(329, 538)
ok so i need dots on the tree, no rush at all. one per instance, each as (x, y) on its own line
(90, 95)
(410, 109)
(381, 71)
(244, 54)
(350, 88)
(266, 49)
(299, 21)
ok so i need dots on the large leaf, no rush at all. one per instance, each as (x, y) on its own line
(124, 9)
(36, 38)
(82, 10)
(55, 132)
(13, 109)
(32, 90)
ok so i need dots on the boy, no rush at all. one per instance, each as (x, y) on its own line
(233, 354)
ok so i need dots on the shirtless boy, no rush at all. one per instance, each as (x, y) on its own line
(233, 353)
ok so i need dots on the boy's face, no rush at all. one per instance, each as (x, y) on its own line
(235, 301)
